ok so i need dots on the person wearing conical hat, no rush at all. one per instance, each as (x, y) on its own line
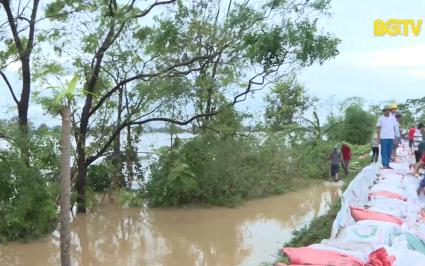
(385, 129)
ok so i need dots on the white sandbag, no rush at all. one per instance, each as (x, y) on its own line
(393, 228)
(368, 233)
(394, 207)
(360, 255)
(348, 245)
(383, 200)
(356, 194)
(395, 211)
(391, 177)
(410, 180)
(388, 187)
(414, 228)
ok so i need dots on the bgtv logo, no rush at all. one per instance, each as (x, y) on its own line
(396, 26)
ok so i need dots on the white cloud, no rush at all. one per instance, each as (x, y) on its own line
(417, 72)
(409, 56)
(14, 66)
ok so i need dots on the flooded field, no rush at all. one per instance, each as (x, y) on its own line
(113, 236)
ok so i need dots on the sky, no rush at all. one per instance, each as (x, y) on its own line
(377, 68)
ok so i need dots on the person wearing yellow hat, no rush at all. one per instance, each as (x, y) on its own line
(386, 133)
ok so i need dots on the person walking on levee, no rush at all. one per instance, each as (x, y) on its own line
(385, 128)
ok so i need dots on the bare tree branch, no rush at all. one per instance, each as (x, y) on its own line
(149, 9)
(125, 124)
(10, 87)
(152, 75)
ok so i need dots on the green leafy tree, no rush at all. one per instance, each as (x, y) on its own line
(194, 57)
(286, 103)
(338, 115)
(412, 111)
(19, 39)
(359, 125)
(43, 128)
(408, 119)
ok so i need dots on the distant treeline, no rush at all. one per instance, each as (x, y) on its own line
(167, 129)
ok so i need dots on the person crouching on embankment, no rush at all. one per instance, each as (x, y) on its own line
(375, 148)
(412, 130)
(386, 133)
(421, 147)
(336, 158)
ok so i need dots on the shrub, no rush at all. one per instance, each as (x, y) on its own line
(210, 170)
(27, 206)
(98, 177)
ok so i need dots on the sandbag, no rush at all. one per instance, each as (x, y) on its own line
(367, 233)
(415, 229)
(377, 201)
(394, 177)
(360, 214)
(347, 245)
(388, 187)
(389, 210)
(394, 183)
(358, 254)
(312, 256)
(393, 228)
(388, 194)
(399, 209)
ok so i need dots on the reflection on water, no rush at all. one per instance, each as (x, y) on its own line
(111, 236)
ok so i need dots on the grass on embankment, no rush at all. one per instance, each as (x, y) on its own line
(320, 227)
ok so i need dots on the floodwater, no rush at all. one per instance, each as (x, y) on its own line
(113, 236)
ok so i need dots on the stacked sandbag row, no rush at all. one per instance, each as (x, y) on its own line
(380, 223)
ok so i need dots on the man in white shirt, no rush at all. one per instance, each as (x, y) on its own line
(386, 133)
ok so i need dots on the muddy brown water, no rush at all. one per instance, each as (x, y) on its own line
(113, 236)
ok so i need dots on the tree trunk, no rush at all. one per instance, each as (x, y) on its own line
(25, 94)
(119, 180)
(82, 173)
(130, 154)
(65, 185)
(23, 108)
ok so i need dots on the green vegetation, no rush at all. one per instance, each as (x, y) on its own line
(27, 194)
(210, 170)
(188, 67)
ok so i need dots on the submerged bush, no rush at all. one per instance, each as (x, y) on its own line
(99, 177)
(27, 199)
(210, 170)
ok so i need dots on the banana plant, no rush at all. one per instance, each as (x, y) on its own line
(315, 128)
(68, 91)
